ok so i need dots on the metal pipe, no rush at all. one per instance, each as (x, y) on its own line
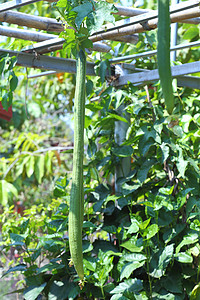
(174, 30)
(144, 77)
(153, 52)
(48, 62)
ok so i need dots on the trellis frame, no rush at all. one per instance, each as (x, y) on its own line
(141, 21)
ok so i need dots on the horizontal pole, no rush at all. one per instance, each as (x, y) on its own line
(15, 4)
(23, 34)
(178, 8)
(148, 76)
(47, 62)
(47, 73)
(52, 25)
(50, 42)
(153, 52)
(192, 82)
(37, 22)
(60, 65)
(144, 26)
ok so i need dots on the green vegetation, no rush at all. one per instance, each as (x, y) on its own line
(141, 242)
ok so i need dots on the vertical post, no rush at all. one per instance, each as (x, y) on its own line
(124, 168)
(174, 30)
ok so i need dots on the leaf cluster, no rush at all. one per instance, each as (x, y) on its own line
(9, 80)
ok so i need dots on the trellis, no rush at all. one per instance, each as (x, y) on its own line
(140, 20)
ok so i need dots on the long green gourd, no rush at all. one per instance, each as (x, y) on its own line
(76, 198)
(163, 53)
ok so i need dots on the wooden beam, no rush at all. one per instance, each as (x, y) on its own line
(60, 65)
(148, 76)
(49, 42)
(176, 9)
(144, 25)
(41, 23)
(50, 24)
(23, 34)
(45, 62)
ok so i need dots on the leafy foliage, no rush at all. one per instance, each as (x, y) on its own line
(139, 242)
(9, 81)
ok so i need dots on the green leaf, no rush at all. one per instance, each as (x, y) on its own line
(133, 245)
(144, 169)
(50, 267)
(60, 187)
(3, 193)
(165, 152)
(144, 224)
(90, 265)
(82, 11)
(151, 231)
(133, 285)
(20, 267)
(128, 268)
(87, 246)
(32, 292)
(123, 151)
(2, 64)
(62, 3)
(48, 161)
(183, 257)
(191, 33)
(134, 227)
(195, 294)
(18, 237)
(181, 166)
(103, 70)
(101, 13)
(128, 189)
(13, 82)
(39, 168)
(160, 261)
(89, 87)
(30, 166)
(63, 290)
(187, 240)
(134, 257)
(5, 189)
(118, 297)
(166, 191)
(173, 282)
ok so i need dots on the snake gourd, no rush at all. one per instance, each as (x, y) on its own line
(163, 54)
(76, 196)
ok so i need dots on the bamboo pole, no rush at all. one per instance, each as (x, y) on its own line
(50, 24)
(47, 24)
(145, 26)
(25, 34)
(146, 17)
(41, 23)
(41, 37)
